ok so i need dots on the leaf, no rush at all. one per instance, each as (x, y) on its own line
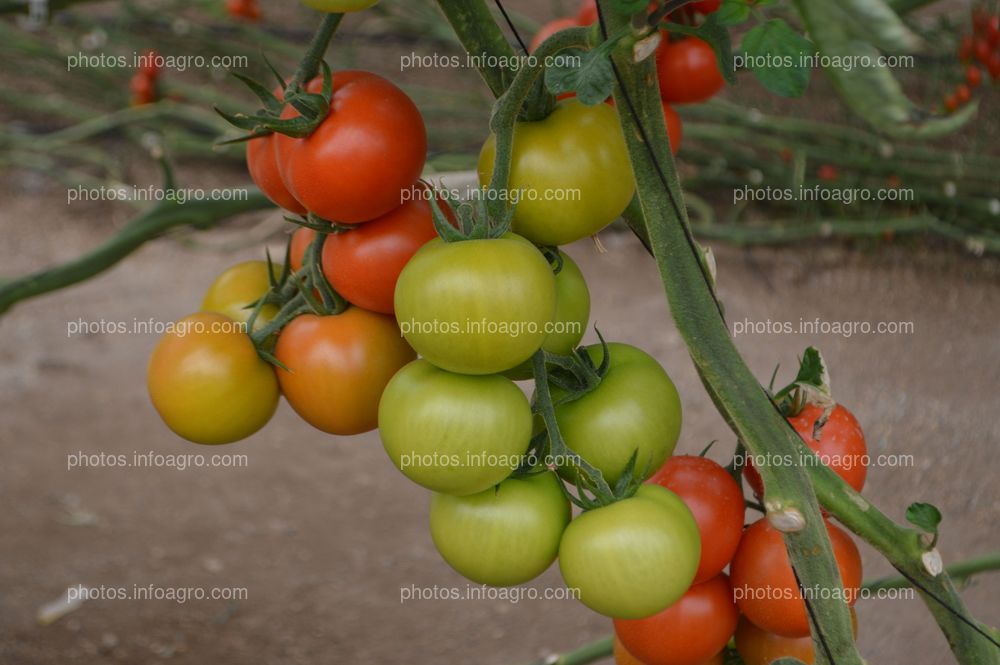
(587, 73)
(812, 370)
(876, 22)
(733, 12)
(715, 34)
(924, 516)
(776, 55)
(629, 6)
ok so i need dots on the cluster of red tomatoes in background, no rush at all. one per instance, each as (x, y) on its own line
(758, 603)
(144, 82)
(243, 9)
(687, 67)
(980, 52)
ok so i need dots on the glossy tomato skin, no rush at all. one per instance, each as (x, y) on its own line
(587, 13)
(505, 535)
(759, 647)
(356, 164)
(688, 71)
(633, 558)
(549, 29)
(841, 445)
(476, 306)
(691, 631)
(572, 315)
(301, 240)
(263, 166)
(239, 286)
(764, 584)
(338, 367)
(635, 407)
(715, 500)
(453, 433)
(208, 383)
(576, 154)
(340, 6)
(363, 263)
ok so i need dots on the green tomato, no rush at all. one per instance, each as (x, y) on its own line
(339, 6)
(633, 558)
(635, 408)
(570, 173)
(572, 315)
(453, 433)
(239, 286)
(505, 535)
(476, 306)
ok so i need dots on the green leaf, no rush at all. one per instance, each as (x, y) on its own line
(716, 35)
(812, 370)
(775, 53)
(629, 6)
(924, 516)
(587, 73)
(733, 12)
(787, 661)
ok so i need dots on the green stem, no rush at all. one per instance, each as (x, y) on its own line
(151, 224)
(309, 66)
(481, 36)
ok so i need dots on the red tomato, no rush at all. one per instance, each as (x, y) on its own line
(706, 7)
(687, 71)
(716, 502)
(549, 29)
(357, 163)
(301, 240)
(963, 94)
(263, 166)
(841, 446)
(587, 13)
(150, 64)
(759, 647)
(247, 9)
(690, 632)
(951, 103)
(993, 30)
(143, 89)
(973, 76)
(764, 584)
(338, 367)
(994, 66)
(965, 47)
(675, 130)
(982, 50)
(363, 263)
(827, 172)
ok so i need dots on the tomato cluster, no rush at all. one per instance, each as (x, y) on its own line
(979, 53)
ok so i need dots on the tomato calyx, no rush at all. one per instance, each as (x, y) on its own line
(810, 386)
(472, 219)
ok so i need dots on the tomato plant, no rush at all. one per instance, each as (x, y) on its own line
(476, 306)
(716, 502)
(340, 172)
(240, 286)
(453, 433)
(338, 366)
(634, 409)
(207, 382)
(688, 71)
(692, 631)
(764, 582)
(505, 535)
(566, 173)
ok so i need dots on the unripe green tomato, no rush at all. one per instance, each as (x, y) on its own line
(635, 408)
(633, 558)
(576, 167)
(339, 6)
(476, 306)
(239, 286)
(504, 535)
(453, 433)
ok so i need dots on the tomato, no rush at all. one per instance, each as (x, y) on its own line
(208, 383)
(549, 29)
(951, 103)
(476, 306)
(982, 50)
(301, 240)
(505, 535)
(675, 129)
(356, 164)
(143, 88)
(247, 9)
(688, 71)
(150, 64)
(570, 173)
(993, 30)
(572, 315)
(338, 367)
(363, 263)
(963, 94)
(633, 558)
(690, 632)
(263, 166)
(993, 66)
(764, 583)
(706, 7)
(622, 656)
(965, 47)
(587, 13)
(827, 172)
(973, 76)
(340, 6)
(759, 647)
(237, 288)
(715, 500)
(453, 433)
(841, 446)
(635, 408)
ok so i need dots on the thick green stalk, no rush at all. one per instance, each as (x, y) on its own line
(309, 65)
(790, 501)
(481, 36)
(151, 224)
